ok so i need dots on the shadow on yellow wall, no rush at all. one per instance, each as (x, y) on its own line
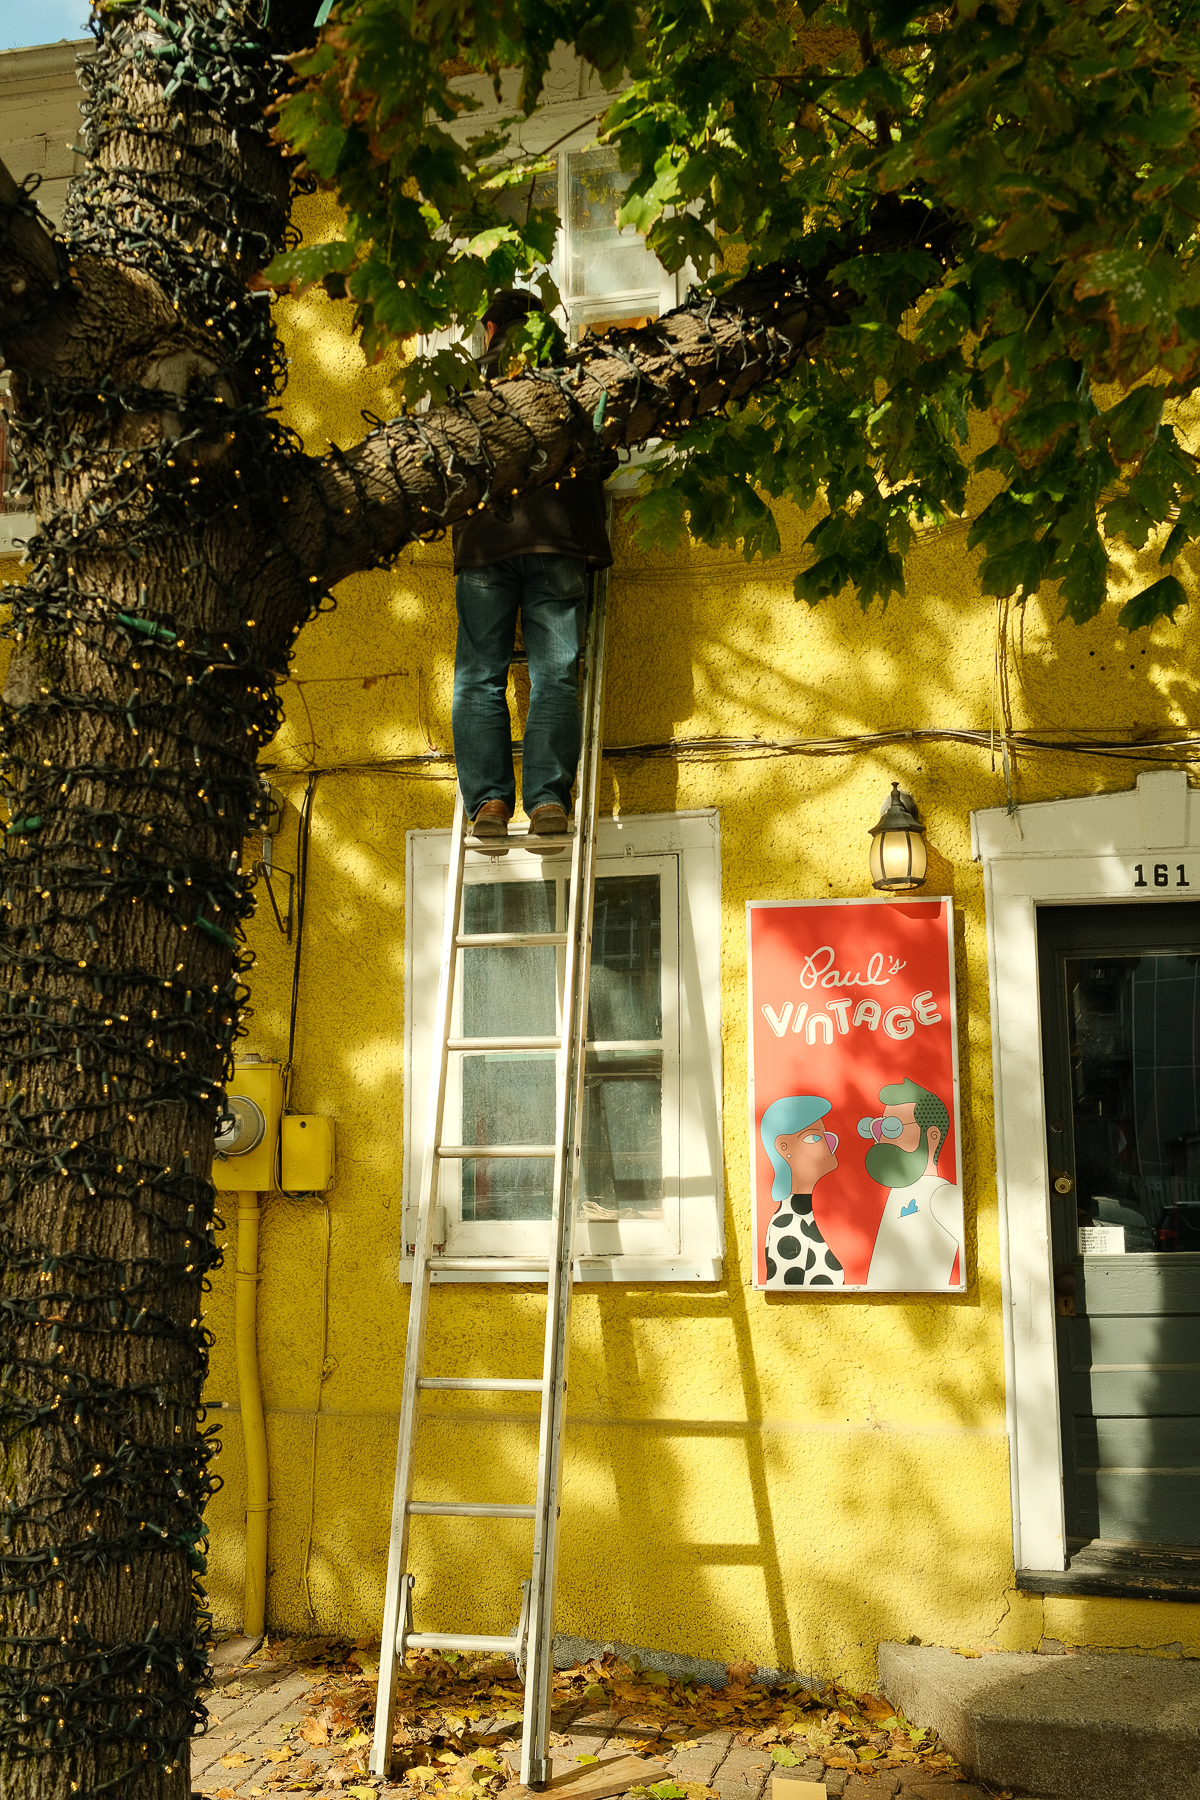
(791, 1478)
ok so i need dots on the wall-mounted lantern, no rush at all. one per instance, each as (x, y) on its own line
(898, 858)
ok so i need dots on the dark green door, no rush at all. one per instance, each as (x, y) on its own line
(1120, 998)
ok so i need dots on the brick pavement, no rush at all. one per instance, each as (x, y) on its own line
(254, 1748)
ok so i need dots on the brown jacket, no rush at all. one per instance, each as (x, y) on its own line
(567, 519)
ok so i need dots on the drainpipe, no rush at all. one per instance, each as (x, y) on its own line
(254, 1431)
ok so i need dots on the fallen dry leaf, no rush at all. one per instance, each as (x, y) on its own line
(233, 1759)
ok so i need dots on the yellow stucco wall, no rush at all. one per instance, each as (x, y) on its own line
(789, 1478)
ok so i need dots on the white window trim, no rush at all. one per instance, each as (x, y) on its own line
(694, 839)
(1055, 852)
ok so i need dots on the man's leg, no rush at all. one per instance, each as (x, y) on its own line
(487, 600)
(553, 600)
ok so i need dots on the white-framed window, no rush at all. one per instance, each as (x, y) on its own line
(651, 1197)
(605, 275)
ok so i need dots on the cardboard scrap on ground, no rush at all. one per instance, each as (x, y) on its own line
(592, 1781)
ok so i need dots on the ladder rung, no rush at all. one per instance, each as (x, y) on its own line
(468, 1509)
(484, 1384)
(462, 1265)
(451, 1640)
(507, 940)
(493, 1152)
(504, 1043)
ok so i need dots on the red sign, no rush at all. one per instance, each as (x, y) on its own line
(854, 1126)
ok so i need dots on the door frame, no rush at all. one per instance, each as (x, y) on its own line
(1053, 852)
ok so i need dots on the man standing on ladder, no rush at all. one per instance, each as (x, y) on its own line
(534, 562)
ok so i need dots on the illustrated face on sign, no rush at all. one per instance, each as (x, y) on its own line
(810, 1154)
(907, 1135)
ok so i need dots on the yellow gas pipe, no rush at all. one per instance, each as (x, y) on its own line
(254, 1431)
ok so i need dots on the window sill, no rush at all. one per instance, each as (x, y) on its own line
(1121, 1572)
(588, 1269)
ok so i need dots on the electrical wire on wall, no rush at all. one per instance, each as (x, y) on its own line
(438, 765)
(306, 812)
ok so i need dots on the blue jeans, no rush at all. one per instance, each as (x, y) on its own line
(549, 592)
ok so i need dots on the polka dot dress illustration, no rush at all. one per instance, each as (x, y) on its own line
(797, 1254)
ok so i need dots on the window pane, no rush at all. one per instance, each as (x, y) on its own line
(1134, 1041)
(625, 997)
(508, 1097)
(603, 259)
(622, 1136)
(508, 992)
(517, 203)
(508, 1100)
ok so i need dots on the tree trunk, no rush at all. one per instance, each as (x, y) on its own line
(148, 646)
(183, 542)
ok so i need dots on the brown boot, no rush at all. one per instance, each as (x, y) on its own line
(491, 821)
(548, 821)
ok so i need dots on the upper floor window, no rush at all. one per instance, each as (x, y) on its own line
(604, 273)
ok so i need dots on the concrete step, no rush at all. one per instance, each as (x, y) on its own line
(1073, 1727)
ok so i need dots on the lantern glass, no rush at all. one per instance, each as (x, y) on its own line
(898, 859)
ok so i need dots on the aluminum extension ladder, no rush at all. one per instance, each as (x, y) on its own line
(532, 1643)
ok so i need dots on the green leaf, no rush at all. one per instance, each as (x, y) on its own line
(310, 263)
(1017, 570)
(1085, 578)
(787, 1759)
(1162, 599)
(1123, 517)
(1134, 421)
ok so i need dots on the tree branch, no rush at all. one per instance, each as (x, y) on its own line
(415, 476)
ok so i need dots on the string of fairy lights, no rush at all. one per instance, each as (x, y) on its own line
(128, 760)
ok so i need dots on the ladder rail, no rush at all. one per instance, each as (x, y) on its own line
(396, 1590)
(536, 1767)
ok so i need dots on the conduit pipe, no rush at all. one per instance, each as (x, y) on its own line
(254, 1431)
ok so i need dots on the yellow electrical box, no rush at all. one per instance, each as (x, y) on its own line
(247, 1145)
(307, 1154)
